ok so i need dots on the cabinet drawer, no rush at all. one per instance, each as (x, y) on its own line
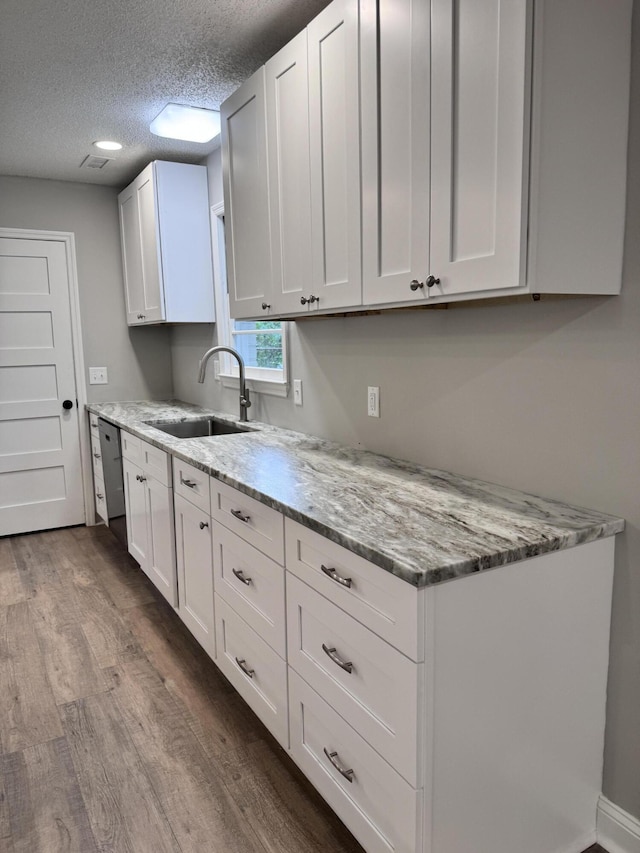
(377, 690)
(93, 424)
(378, 806)
(255, 670)
(96, 457)
(252, 584)
(131, 446)
(191, 483)
(253, 521)
(391, 607)
(156, 462)
(101, 503)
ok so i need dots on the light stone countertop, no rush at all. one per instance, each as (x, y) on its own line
(423, 525)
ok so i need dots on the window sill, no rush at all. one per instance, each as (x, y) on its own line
(260, 386)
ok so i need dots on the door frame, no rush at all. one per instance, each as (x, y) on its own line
(67, 238)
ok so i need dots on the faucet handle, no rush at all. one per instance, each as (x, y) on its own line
(245, 399)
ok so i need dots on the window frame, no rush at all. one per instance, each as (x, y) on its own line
(263, 379)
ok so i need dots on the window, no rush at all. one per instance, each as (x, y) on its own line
(261, 343)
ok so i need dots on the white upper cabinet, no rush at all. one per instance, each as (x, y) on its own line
(491, 145)
(246, 199)
(289, 175)
(395, 66)
(292, 193)
(334, 122)
(479, 144)
(166, 245)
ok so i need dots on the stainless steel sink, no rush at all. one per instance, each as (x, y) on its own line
(198, 429)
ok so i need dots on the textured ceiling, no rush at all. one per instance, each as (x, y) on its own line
(76, 71)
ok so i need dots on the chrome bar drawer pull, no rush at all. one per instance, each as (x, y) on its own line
(343, 664)
(331, 573)
(239, 574)
(332, 756)
(188, 483)
(243, 666)
(237, 513)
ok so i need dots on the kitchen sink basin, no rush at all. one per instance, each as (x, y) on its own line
(199, 429)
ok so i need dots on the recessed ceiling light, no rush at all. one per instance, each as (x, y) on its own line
(107, 145)
(192, 124)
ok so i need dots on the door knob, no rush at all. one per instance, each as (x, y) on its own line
(67, 404)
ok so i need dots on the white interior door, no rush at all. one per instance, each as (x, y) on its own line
(40, 463)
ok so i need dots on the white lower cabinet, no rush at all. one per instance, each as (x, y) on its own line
(437, 720)
(381, 809)
(255, 670)
(149, 514)
(195, 572)
(370, 684)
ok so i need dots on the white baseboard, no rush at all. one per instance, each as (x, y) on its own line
(618, 831)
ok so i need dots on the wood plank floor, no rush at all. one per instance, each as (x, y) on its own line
(118, 733)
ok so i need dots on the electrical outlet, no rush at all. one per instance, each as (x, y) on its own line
(98, 376)
(373, 401)
(297, 392)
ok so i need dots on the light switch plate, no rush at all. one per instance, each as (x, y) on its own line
(373, 401)
(98, 376)
(297, 392)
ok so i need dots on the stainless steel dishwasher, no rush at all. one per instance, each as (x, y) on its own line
(111, 451)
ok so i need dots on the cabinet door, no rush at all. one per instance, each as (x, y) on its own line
(246, 198)
(153, 297)
(395, 51)
(289, 174)
(479, 150)
(136, 512)
(161, 551)
(131, 254)
(195, 572)
(334, 125)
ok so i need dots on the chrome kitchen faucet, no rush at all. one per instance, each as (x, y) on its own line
(245, 400)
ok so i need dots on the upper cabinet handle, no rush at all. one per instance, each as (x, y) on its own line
(237, 513)
(415, 284)
(431, 280)
(265, 306)
(331, 573)
(311, 299)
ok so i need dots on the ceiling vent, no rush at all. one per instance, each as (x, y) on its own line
(93, 162)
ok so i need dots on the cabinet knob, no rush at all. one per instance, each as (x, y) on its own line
(311, 299)
(265, 306)
(415, 284)
(203, 524)
(96, 456)
(140, 478)
(100, 496)
(141, 316)
(431, 280)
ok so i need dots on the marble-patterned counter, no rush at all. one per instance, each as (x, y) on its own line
(423, 525)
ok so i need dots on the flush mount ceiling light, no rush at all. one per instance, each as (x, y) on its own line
(107, 145)
(192, 124)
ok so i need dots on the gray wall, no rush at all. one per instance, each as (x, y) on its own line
(138, 360)
(543, 396)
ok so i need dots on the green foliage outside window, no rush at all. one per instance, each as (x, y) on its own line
(269, 346)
